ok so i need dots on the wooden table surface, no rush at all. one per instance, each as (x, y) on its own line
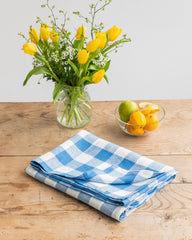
(30, 210)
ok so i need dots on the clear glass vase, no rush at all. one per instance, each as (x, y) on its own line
(74, 107)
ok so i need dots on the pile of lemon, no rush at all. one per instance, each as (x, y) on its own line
(139, 117)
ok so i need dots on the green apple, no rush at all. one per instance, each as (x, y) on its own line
(126, 108)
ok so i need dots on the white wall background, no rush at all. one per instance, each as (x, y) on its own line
(156, 65)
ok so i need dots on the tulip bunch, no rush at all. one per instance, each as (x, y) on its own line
(70, 62)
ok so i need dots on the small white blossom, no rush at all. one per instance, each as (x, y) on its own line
(100, 55)
(36, 62)
(65, 41)
(106, 59)
(64, 54)
(53, 55)
(102, 64)
(97, 62)
(73, 52)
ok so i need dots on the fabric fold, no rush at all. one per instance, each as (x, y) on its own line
(110, 178)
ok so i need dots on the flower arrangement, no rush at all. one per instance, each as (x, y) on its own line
(72, 62)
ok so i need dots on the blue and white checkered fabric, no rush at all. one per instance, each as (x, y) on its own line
(108, 177)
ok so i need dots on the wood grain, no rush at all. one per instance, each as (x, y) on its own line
(27, 205)
(29, 210)
(32, 129)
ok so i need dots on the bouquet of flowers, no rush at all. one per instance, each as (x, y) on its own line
(72, 62)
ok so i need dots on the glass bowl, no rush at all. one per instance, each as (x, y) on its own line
(140, 130)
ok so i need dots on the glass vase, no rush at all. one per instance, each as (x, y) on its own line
(74, 107)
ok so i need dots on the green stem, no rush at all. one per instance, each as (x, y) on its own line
(86, 105)
(85, 113)
(51, 10)
(71, 113)
(39, 49)
(93, 19)
(62, 116)
(76, 120)
(78, 115)
(67, 113)
(115, 44)
(42, 59)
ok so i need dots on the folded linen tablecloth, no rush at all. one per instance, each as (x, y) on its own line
(110, 178)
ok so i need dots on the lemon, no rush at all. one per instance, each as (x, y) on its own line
(126, 108)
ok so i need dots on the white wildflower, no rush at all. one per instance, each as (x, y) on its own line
(64, 54)
(102, 64)
(36, 62)
(73, 52)
(100, 55)
(106, 59)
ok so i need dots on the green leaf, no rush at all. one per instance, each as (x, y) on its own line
(36, 71)
(57, 90)
(77, 44)
(43, 60)
(86, 78)
(74, 67)
(116, 43)
(107, 66)
(41, 44)
(93, 67)
(77, 13)
(107, 39)
(91, 56)
(82, 39)
(106, 78)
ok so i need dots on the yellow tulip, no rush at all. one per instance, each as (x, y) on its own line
(113, 33)
(34, 36)
(80, 32)
(98, 76)
(45, 31)
(82, 56)
(103, 39)
(93, 45)
(29, 48)
(54, 36)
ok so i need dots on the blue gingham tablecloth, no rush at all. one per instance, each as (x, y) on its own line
(110, 178)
